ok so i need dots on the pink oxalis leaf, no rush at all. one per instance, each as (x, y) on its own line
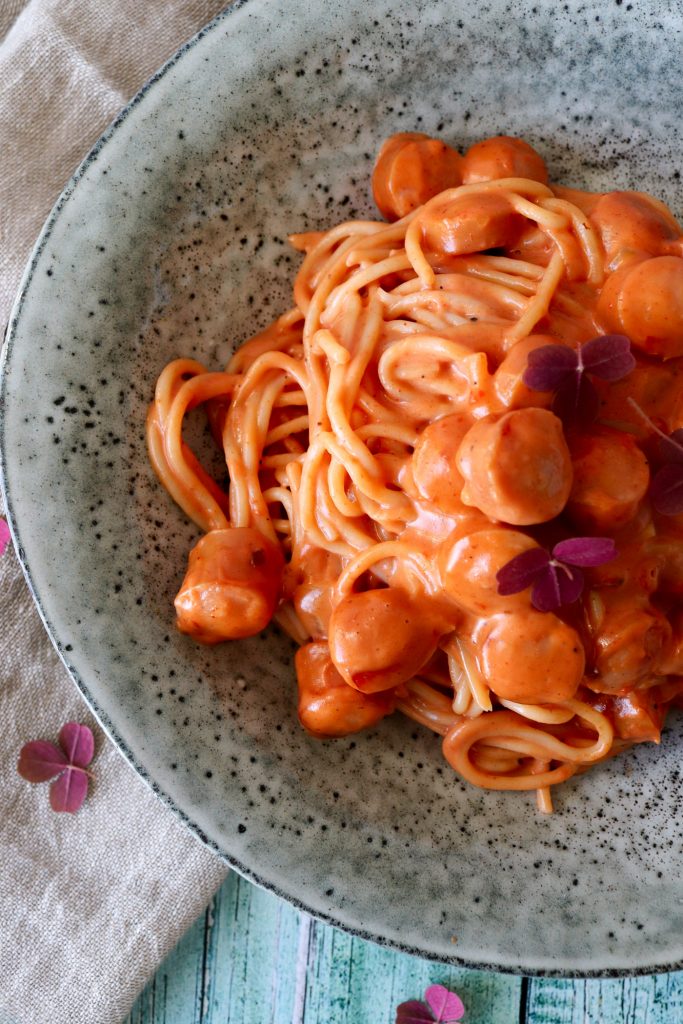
(446, 1006)
(563, 371)
(41, 760)
(440, 1007)
(4, 535)
(78, 743)
(68, 792)
(556, 578)
(414, 1012)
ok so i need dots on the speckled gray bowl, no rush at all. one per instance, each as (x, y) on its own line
(170, 241)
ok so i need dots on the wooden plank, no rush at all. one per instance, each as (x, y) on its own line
(352, 981)
(553, 1000)
(250, 963)
(175, 993)
(656, 999)
(253, 959)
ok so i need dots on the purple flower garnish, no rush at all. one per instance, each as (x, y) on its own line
(563, 370)
(666, 489)
(41, 760)
(440, 1007)
(556, 578)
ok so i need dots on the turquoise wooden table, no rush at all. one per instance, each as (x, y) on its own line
(252, 959)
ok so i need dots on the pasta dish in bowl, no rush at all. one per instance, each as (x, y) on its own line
(454, 469)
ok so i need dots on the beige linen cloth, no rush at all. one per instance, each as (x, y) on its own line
(89, 903)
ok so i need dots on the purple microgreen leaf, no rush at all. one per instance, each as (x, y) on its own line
(585, 551)
(40, 760)
(414, 1012)
(576, 401)
(563, 370)
(4, 536)
(549, 367)
(555, 580)
(666, 489)
(78, 743)
(608, 357)
(69, 791)
(671, 447)
(521, 571)
(558, 585)
(448, 1008)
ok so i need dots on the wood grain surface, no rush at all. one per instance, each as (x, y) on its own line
(252, 959)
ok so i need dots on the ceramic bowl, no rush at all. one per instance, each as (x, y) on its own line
(169, 241)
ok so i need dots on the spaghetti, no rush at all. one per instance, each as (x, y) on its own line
(386, 459)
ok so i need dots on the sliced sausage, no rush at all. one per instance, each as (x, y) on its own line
(645, 302)
(516, 468)
(530, 657)
(380, 638)
(503, 157)
(629, 645)
(434, 469)
(231, 586)
(468, 568)
(469, 223)
(410, 169)
(507, 380)
(327, 705)
(611, 478)
(632, 224)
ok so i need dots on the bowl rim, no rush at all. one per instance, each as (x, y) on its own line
(243, 869)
